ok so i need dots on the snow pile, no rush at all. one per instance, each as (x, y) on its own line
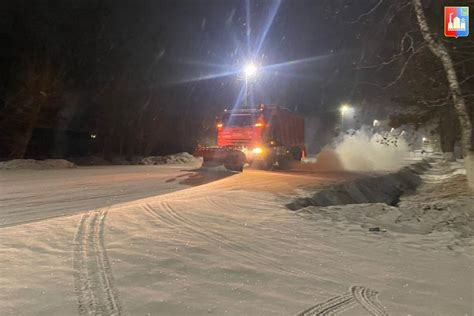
(36, 164)
(442, 203)
(469, 163)
(362, 151)
(371, 189)
(90, 161)
(179, 158)
(154, 160)
(367, 215)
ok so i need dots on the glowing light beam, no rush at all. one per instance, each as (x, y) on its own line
(294, 75)
(201, 63)
(268, 24)
(207, 77)
(240, 97)
(295, 62)
(247, 12)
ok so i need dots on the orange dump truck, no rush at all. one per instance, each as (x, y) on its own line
(265, 136)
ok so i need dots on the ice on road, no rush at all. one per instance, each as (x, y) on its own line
(171, 240)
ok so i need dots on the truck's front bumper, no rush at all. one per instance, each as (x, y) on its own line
(221, 155)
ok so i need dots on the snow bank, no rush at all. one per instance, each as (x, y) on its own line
(366, 214)
(469, 163)
(90, 161)
(442, 202)
(179, 158)
(36, 164)
(371, 189)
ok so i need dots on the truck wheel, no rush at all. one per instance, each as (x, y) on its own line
(238, 168)
(284, 162)
(209, 163)
(235, 161)
(296, 153)
(265, 164)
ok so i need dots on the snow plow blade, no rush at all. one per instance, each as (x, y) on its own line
(232, 159)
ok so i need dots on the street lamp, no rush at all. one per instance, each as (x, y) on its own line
(250, 70)
(343, 109)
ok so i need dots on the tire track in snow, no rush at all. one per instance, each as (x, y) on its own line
(368, 299)
(358, 295)
(213, 203)
(219, 239)
(82, 286)
(331, 306)
(93, 280)
(174, 219)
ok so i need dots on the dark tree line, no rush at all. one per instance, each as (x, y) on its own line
(91, 69)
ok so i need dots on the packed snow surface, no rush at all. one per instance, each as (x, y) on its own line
(36, 164)
(202, 242)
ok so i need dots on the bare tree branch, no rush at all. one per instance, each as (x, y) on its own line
(366, 13)
(407, 61)
(402, 71)
(466, 79)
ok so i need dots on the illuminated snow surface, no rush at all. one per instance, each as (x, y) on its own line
(175, 240)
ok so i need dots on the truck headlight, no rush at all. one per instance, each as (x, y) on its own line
(257, 151)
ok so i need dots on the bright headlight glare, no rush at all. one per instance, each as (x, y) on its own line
(257, 150)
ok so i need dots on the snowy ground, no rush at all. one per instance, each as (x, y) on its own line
(171, 240)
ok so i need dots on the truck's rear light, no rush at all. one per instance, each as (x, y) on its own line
(259, 125)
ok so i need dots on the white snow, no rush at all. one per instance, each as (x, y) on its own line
(223, 247)
(36, 164)
(443, 203)
(179, 158)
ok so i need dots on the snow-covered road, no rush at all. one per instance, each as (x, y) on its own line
(32, 195)
(169, 240)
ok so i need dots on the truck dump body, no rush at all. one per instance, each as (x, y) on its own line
(267, 134)
(285, 127)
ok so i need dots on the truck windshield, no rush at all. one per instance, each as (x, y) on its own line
(238, 120)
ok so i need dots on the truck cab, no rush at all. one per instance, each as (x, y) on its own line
(264, 136)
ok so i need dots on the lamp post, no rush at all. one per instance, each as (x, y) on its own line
(343, 109)
(250, 70)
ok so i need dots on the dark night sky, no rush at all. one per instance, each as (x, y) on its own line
(157, 43)
(148, 54)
